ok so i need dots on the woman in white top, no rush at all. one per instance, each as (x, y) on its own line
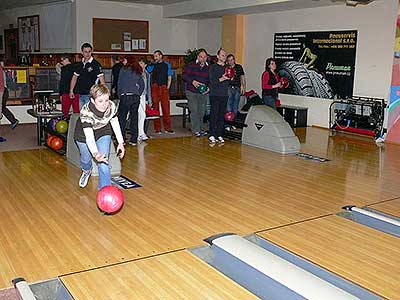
(144, 98)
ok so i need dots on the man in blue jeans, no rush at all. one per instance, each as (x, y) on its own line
(237, 86)
(87, 73)
(93, 133)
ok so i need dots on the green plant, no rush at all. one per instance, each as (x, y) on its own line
(191, 55)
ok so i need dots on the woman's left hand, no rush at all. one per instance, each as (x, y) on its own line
(120, 151)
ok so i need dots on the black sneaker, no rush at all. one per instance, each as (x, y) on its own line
(170, 131)
(15, 124)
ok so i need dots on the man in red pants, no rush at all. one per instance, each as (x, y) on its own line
(67, 71)
(161, 78)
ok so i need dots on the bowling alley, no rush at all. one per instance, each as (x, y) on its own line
(200, 150)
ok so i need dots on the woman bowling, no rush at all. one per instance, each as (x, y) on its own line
(93, 135)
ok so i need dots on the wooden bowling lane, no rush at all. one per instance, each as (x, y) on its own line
(49, 226)
(391, 207)
(174, 276)
(360, 254)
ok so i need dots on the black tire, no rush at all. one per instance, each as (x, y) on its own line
(321, 85)
(305, 82)
(299, 80)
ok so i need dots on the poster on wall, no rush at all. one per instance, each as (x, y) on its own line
(318, 64)
(393, 123)
(29, 33)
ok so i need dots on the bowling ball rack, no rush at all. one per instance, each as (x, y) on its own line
(62, 136)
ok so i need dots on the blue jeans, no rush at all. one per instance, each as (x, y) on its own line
(103, 145)
(270, 101)
(83, 99)
(233, 99)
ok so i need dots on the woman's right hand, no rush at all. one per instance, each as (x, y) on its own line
(277, 86)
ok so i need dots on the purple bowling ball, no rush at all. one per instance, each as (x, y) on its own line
(52, 124)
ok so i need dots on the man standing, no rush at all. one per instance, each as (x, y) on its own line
(161, 78)
(196, 75)
(117, 65)
(67, 71)
(237, 86)
(6, 112)
(86, 74)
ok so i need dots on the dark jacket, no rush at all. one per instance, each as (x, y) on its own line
(217, 88)
(67, 72)
(130, 82)
(268, 80)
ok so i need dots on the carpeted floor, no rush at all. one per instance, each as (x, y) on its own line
(23, 137)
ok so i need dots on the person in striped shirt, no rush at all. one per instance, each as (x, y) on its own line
(196, 75)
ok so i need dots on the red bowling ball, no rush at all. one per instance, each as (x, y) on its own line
(110, 199)
(230, 116)
(49, 140)
(285, 82)
(56, 143)
(229, 72)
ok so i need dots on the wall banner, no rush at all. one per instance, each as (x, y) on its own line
(318, 64)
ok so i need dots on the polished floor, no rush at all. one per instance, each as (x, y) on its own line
(49, 227)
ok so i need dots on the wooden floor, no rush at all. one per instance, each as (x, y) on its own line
(177, 275)
(362, 255)
(391, 207)
(49, 227)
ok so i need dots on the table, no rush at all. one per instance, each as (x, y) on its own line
(42, 122)
(185, 112)
(296, 116)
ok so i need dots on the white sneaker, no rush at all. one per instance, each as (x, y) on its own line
(83, 181)
(143, 138)
(212, 139)
(220, 139)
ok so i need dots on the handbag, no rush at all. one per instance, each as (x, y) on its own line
(152, 112)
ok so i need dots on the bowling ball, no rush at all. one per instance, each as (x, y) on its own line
(230, 116)
(52, 124)
(62, 126)
(285, 82)
(110, 199)
(202, 88)
(57, 143)
(229, 72)
(49, 139)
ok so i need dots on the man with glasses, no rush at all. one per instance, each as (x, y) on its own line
(87, 73)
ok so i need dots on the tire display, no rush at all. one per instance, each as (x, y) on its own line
(305, 82)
